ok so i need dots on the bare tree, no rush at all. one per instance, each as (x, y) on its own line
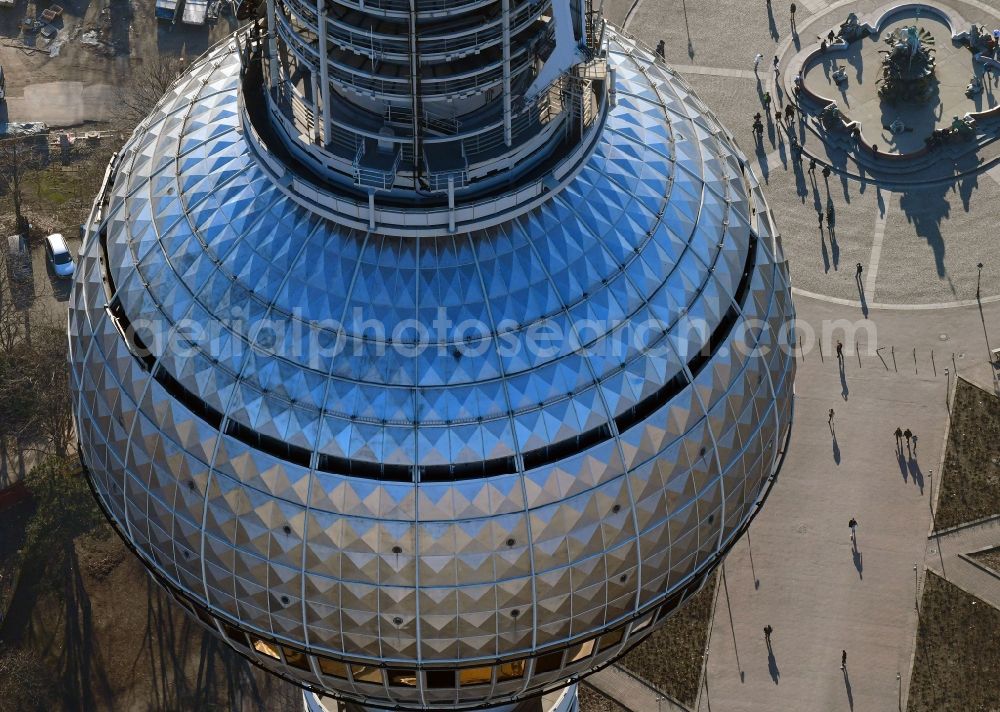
(144, 89)
(17, 157)
(11, 317)
(51, 412)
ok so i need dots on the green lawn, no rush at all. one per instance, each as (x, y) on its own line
(957, 663)
(970, 486)
(671, 658)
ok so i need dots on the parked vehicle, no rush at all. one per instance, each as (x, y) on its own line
(18, 258)
(59, 255)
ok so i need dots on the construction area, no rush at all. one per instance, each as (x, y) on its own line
(63, 65)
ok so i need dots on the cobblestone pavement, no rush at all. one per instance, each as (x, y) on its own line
(917, 321)
(797, 570)
(925, 239)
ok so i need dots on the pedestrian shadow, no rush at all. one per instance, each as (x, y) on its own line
(968, 184)
(918, 477)
(772, 665)
(765, 168)
(801, 189)
(861, 295)
(850, 692)
(901, 461)
(836, 450)
(844, 186)
(834, 248)
(859, 563)
(822, 249)
(844, 390)
(772, 26)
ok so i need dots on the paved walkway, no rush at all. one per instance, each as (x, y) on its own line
(628, 691)
(945, 558)
(797, 570)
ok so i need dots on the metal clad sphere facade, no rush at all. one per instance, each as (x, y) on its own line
(562, 501)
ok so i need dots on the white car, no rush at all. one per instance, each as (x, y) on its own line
(59, 256)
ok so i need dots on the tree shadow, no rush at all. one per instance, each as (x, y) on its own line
(173, 644)
(82, 669)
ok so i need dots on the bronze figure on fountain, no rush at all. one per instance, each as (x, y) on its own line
(908, 67)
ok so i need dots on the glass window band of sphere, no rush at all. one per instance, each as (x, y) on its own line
(546, 666)
(545, 670)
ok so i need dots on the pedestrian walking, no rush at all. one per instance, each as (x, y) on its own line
(830, 215)
(907, 434)
(756, 61)
(792, 9)
(822, 47)
(840, 350)
(830, 37)
(859, 270)
(661, 49)
(789, 113)
(767, 635)
(899, 436)
(819, 216)
(776, 70)
(827, 172)
(777, 116)
(812, 165)
(843, 660)
(767, 101)
(831, 416)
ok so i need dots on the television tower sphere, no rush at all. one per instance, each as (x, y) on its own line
(436, 373)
